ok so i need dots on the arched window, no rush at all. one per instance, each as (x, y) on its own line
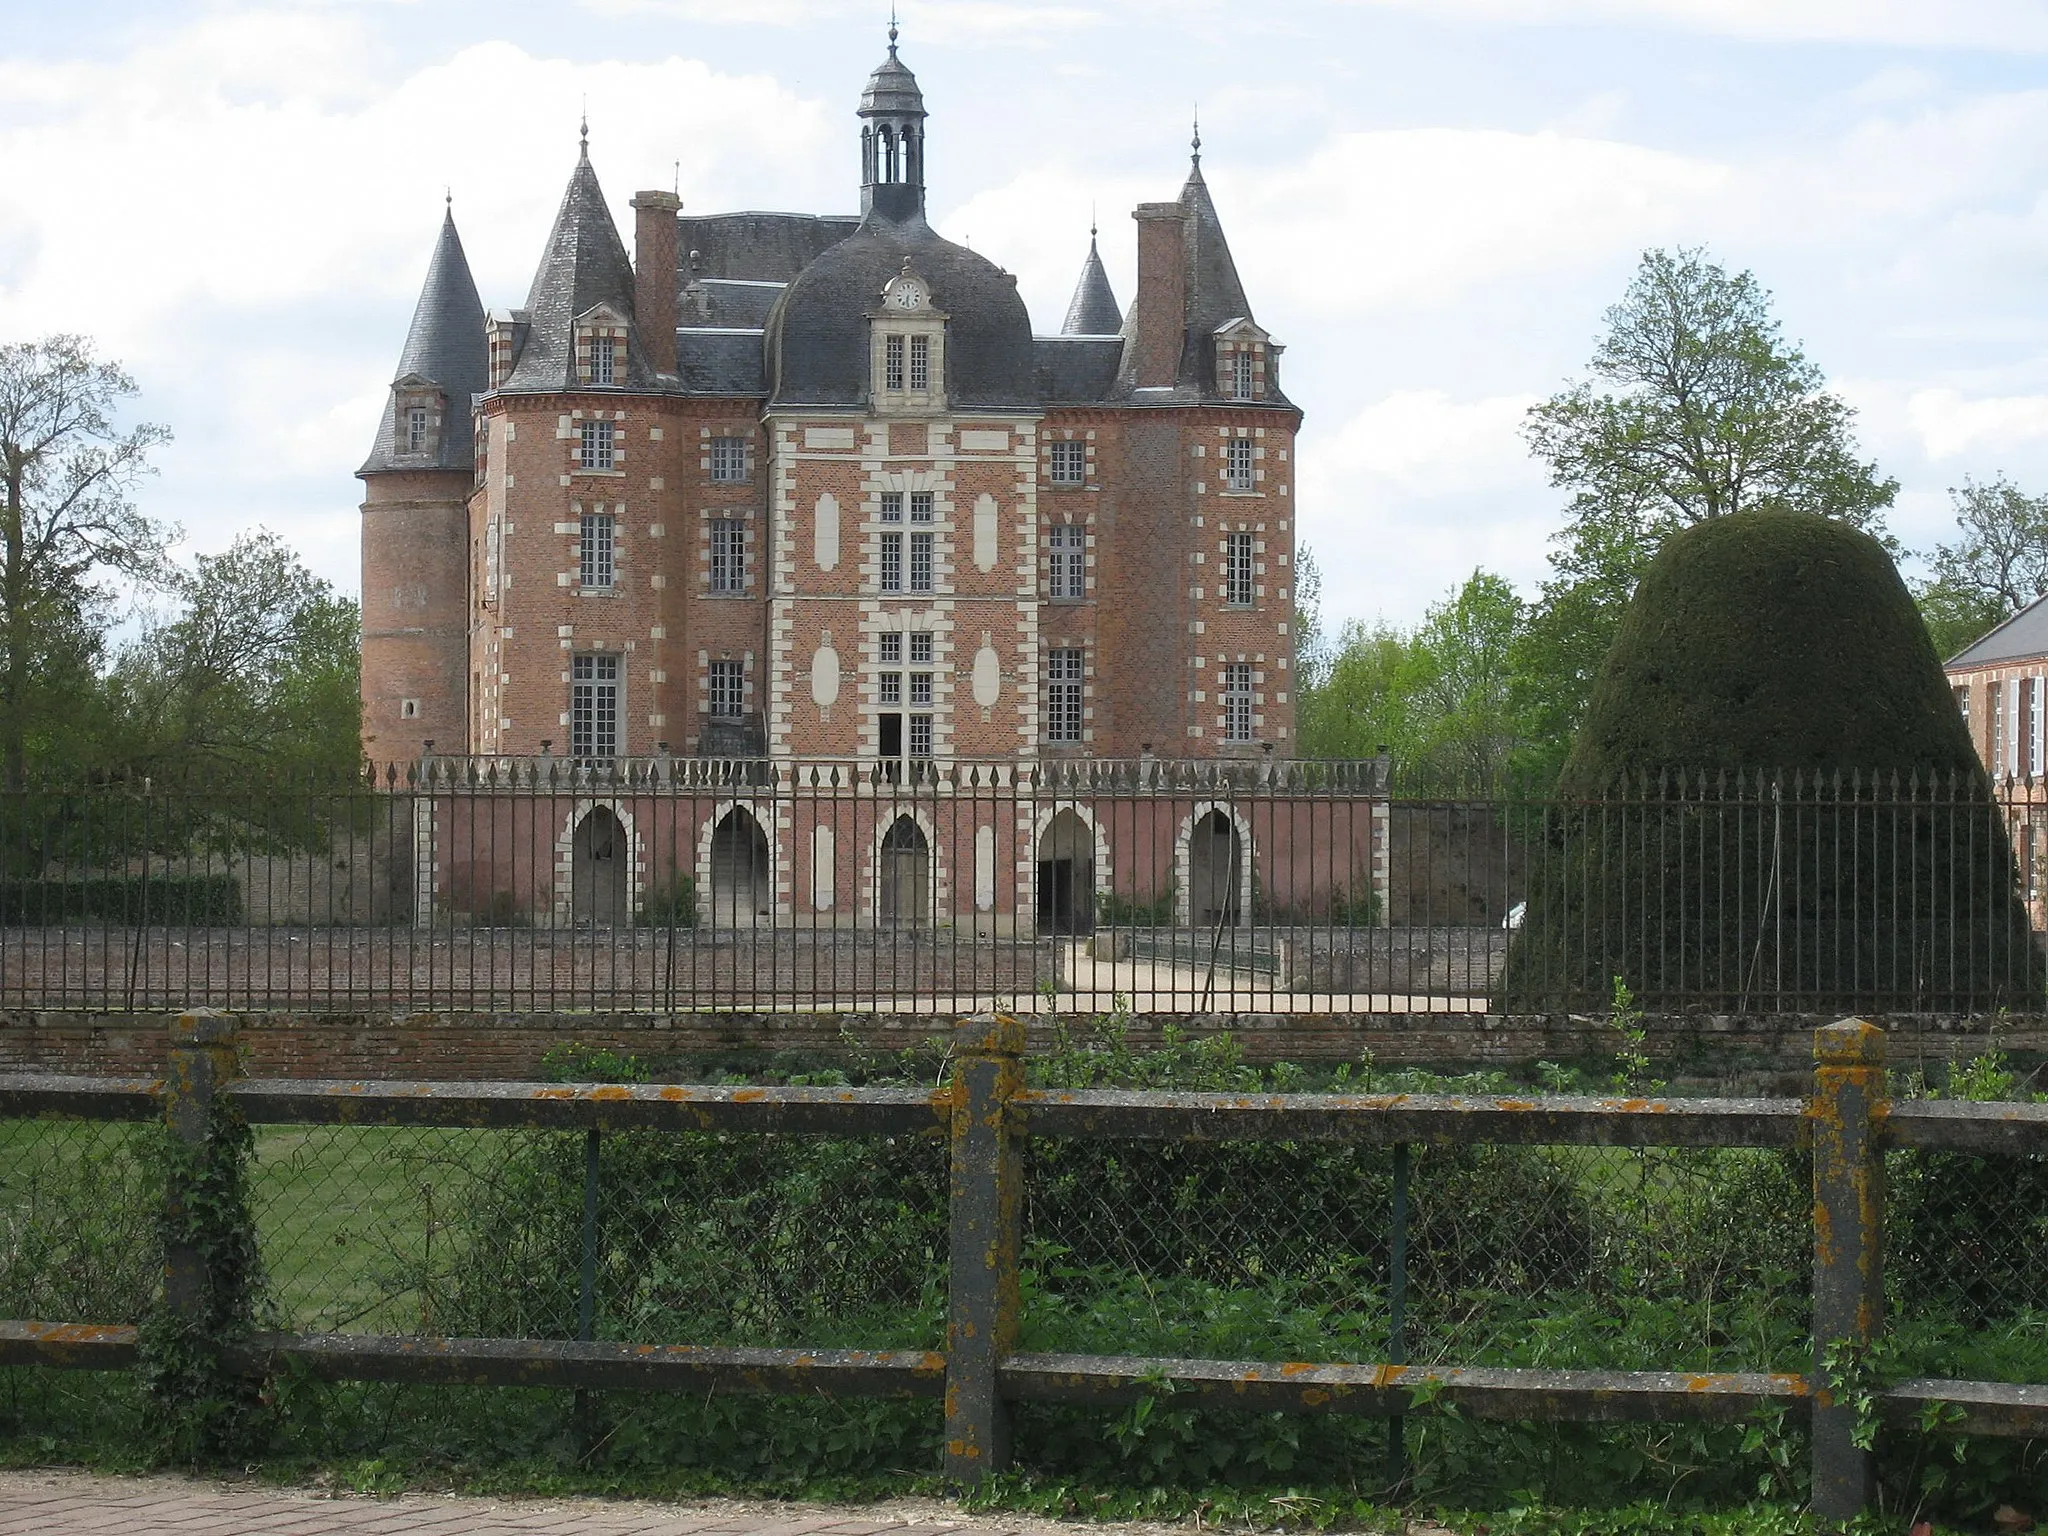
(888, 154)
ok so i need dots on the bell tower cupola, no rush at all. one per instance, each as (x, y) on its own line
(892, 140)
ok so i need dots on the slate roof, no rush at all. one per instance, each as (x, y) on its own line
(721, 362)
(892, 89)
(818, 335)
(726, 303)
(2019, 638)
(585, 265)
(1093, 310)
(1076, 370)
(446, 346)
(1215, 296)
(763, 247)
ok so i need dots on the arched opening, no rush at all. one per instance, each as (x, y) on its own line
(740, 886)
(867, 155)
(1215, 872)
(597, 867)
(888, 154)
(905, 893)
(1066, 876)
(913, 157)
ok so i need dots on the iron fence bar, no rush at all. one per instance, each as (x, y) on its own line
(1397, 1309)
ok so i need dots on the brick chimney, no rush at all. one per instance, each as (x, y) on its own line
(654, 274)
(1158, 320)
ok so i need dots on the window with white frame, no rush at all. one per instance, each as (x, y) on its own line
(1069, 463)
(727, 686)
(921, 506)
(1237, 570)
(1241, 374)
(892, 363)
(1237, 701)
(920, 562)
(892, 562)
(892, 506)
(728, 555)
(1997, 693)
(1237, 463)
(920, 736)
(596, 549)
(920, 363)
(921, 648)
(604, 355)
(594, 707)
(597, 447)
(892, 648)
(1065, 560)
(416, 429)
(1063, 694)
(921, 690)
(2039, 685)
(729, 460)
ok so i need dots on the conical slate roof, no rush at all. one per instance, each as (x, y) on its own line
(1093, 311)
(1214, 293)
(892, 89)
(585, 265)
(446, 347)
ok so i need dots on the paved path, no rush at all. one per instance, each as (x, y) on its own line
(54, 1503)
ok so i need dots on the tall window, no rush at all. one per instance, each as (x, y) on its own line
(603, 359)
(416, 429)
(594, 707)
(728, 555)
(1997, 692)
(892, 562)
(596, 547)
(920, 362)
(729, 459)
(1069, 463)
(892, 362)
(1065, 556)
(1063, 695)
(598, 445)
(1237, 701)
(920, 506)
(1237, 570)
(920, 735)
(1237, 463)
(920, 562)
(1241, 374)
(1962, 693)
(727, 690)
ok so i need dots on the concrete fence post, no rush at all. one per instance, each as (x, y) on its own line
(983, 1252)
(201, 1063)
(1846, 1113)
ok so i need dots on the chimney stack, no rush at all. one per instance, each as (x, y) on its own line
(655, 274)
(1158, 319)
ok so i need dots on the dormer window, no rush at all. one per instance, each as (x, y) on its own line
(604, 352)
(908, 337)
(1241, 374)
(601, 347)
(1244, 361)
(417, 408)
(416, 429)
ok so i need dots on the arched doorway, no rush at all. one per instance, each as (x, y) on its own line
(905, 893)
(740, 887)
(1215, 872)
(1066, 876)
(597, 864)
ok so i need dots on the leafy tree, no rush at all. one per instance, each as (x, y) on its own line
(1438, 698)
(67, 473)
(1696, 408)
(257, 670)
(1998, 566)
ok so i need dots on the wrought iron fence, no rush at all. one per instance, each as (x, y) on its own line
(995, 1244)
(667, 885)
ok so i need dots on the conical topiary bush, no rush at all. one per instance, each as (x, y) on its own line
(1772, 803)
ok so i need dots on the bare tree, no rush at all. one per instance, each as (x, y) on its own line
(68, 471)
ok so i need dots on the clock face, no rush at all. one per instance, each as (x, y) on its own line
(906, 296)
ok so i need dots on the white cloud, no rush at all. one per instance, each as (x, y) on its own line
(1953, 426)
(953, 21)
(2016, 26)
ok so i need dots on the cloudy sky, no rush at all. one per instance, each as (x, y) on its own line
(1431, 203)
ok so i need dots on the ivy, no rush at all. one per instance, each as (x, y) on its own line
(198, 1409)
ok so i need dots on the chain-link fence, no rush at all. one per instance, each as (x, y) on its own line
(636, 1235)
(81, 1204)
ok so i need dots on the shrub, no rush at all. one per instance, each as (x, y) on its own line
(673, 905)
(179, 900)
(1772, 784)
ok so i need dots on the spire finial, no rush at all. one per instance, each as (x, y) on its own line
(583, 128)
(892, 29)
(1091, 223)
(448, 199)
(1196, 142)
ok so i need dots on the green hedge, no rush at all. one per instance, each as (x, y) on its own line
(188, 900)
